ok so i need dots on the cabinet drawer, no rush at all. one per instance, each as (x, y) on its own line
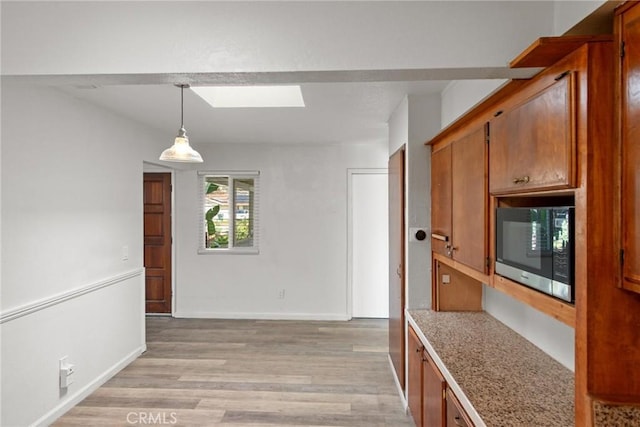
(532, 146)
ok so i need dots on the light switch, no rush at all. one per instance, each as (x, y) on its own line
(125, 253)
(446, 279)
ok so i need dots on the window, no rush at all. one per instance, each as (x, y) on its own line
(229, 210)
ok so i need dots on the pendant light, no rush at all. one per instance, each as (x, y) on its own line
(181, 151)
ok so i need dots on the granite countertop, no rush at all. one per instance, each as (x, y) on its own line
(504, 379)
(606, 415)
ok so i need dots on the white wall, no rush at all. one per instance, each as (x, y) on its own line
(414, 121)
(553, 337)
(303, 234)
(424, 121)
(566, 14)
(399, 126)
(71, 199)
(461, 95)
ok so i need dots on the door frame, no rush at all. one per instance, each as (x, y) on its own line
(350, 174)
(149, 167)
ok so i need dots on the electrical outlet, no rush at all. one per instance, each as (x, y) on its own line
(281, 294)
(67, 371)
(125, 253)
(446, 279)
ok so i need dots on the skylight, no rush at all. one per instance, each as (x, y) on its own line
(250, 96)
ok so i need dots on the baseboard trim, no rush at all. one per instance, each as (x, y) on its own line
(405, 404)
(76, 398)
(33, 307)
(261, 316)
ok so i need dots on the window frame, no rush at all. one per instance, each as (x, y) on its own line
(231, 175)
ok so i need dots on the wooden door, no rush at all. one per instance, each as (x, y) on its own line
(396, 263)
(533, 145)
(433, 393)
(157, 242)
(441, 201)
(631, 149)
(414, 388)
(469, 166)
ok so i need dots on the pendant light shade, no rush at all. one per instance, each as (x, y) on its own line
(181, 151)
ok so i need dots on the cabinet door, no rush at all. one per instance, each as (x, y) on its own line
(469, 169)
(631, 149)
(433, 393)
(414, 388)
(533, 145)
(456, 416)
(441, 201)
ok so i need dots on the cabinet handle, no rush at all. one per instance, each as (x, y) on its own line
(450, 249)
(440, 237)
(523, 180)
(457, 420)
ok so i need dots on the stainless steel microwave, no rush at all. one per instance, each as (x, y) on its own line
(535, 247)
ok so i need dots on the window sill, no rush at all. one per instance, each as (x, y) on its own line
(232, 251)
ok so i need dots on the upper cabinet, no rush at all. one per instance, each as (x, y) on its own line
(459, 199)
(441, 201)
(533, 142)
(630, 118)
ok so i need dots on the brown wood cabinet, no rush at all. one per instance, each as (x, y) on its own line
(456, 416)
(557, 138)
(630, 137)
(459, 199)
(396, 265)
(414, 386)
(426, 386)
(441, 201)
(433, 393)
(532, 144)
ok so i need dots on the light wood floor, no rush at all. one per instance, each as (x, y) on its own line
(252, 373)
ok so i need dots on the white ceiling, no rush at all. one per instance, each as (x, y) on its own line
(334, 112)
(355, 61)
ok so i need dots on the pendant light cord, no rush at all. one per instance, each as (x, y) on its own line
(182, 106)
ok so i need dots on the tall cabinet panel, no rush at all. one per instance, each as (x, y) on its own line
(469, 215)
(396, 264)
(459, 183)
(441, 201)
(630, 97)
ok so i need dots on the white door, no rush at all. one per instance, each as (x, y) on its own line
(369, 238)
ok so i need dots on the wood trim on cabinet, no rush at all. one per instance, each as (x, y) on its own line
(483, 278)
(560, 310)
(546, 51)
(478, 115)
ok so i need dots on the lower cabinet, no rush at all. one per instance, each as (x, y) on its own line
(427, 392)
(456, 416)
(414, 386)
(433, 393)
